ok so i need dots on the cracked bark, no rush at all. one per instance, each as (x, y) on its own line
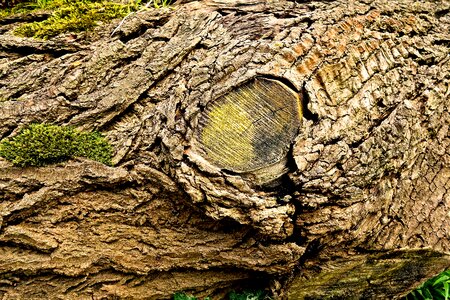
(362, 212)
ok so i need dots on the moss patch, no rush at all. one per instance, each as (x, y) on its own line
(42, 144)
(68, 15)
(75, 16)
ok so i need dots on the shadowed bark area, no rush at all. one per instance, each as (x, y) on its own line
(362, 205)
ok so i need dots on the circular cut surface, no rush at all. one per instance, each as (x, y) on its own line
(251, 127)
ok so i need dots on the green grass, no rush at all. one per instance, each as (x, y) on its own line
(437, 288)
(244, 295)
(183, 296)
(43, 144)
(249, 295)
(73, 15)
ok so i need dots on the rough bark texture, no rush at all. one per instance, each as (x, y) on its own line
(362, 213)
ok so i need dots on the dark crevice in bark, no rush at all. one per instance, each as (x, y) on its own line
(333, 141)
(202, 46)
(312, 251)
(375, 125)
(442, 42)
(157, 143)
(16, 276)
(17, 94)
(258, 281)
(7, 132)
(82, 283)
(297, 236)
(134, 34)
(304, 269)
(423, 61)
(255, 281)
(230, 172)
(27, 189)
(442, 13)
(283, 186)
(29, 247)
(28, 50)
(283, 80)
(20, 216)
(236, 12)
(70, 99)
(118, 114)
(309, 1)
(142, 28)
(160, 39)
(107, 126)
(307, 114)
(108, 186)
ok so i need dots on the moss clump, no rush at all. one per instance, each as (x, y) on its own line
(71, 16)
(42, 144)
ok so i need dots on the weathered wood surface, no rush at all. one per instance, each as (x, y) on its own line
(250, 127)
(368, 173)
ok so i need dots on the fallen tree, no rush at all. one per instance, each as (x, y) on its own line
(302, 147)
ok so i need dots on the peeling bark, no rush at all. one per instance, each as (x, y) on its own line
(367, 188)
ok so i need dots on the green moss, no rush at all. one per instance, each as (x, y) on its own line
(42, 144)
(74, 16)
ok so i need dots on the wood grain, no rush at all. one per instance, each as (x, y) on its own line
(252, 126)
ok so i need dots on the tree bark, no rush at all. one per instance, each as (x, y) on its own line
(359, 208)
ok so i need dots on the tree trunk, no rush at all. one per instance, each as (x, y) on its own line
(342, 191)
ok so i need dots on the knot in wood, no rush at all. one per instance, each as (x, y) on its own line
(251, 127)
